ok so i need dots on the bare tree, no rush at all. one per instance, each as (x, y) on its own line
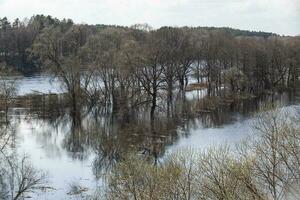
(8, 91)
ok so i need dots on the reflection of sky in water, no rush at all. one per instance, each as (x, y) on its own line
(211, 137)
(47, 154)
(231, 134)
(35, 83)
(41, 83)
(195, 94)
(45, 143)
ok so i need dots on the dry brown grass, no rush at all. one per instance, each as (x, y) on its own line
(208, 104)
(196, 86)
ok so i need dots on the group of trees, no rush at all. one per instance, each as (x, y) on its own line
(126, 67)
(16, 37)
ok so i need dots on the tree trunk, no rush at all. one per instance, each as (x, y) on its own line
(153, 107)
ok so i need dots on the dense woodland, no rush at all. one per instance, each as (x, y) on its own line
(126, 67)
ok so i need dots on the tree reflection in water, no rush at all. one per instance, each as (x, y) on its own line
(18, 178)
(108, 138)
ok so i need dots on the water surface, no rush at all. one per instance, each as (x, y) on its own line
(82, 153)
(35, 83)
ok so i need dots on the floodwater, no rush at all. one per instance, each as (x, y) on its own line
(83, 153)
(35, 83)
(44, 144)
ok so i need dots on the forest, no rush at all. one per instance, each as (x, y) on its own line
(138, 65)
(136, 79)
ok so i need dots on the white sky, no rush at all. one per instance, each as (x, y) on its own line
(280, 16)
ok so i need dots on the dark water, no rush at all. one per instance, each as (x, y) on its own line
(84, 152)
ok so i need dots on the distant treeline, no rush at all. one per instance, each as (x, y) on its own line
(17, 36)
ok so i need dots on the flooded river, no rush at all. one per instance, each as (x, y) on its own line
(83, 153)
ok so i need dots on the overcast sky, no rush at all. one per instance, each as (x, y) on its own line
(280, 16)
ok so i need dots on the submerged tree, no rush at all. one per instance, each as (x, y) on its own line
(60, 50)
(8, 91)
